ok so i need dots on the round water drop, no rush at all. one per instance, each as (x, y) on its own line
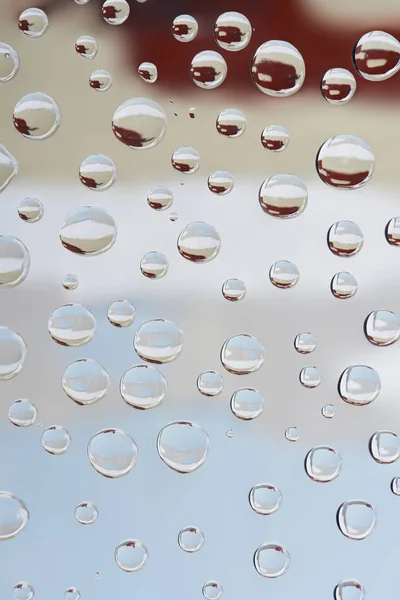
(242, 354)
(98, 172)
(81, 2)
(154, 265)
(72, 325)
(70, 282)
(191, 539)
(356, 519)
(14, 515)
(36, 116)
(88, 231)
(22, 413)
(13, 353)
(15, 261)
(9, 62)
(323, 464)
(208, 69)
(271, 560)
(143, 386)
(33, 22)
(338, 86)
(265, 499)
(392, 231)
(210, 383)
(72, 593)
(184, 28)
(24, 591)
(131, 555)
(85, 381)
(275, 138)
(382, 327)
(395, 486)
(186, 160)
(158, 341)
(121, 313)
(345, 162)
(56, 440)
(305, 343)
(231, 123)
(247, 404)
(192, 112)
(112, 453)
(212, 590)
(86, 46)
(292, 434)
(139, 123)
(86, 513)
(183, 446)
(376, 56)
(100, 80)
(284, 196)
(232, 31)
(385, 447)
(230, 433)
(349, 589)
(310, 377)
(220, 182)
(30, 210)
(8, 167)
(284, 274)
(173, 216)
(344, 285)
(115, 12)
(160, 198)
(345, 238)
(148, 72)
(234, 290)
(278, 68)
(359, 385)
(328, 411)
(199, 242)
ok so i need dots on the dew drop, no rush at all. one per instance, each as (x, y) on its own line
(72, 593)
(208, 69)
(376, 56)
(56, 440)
(24, 591)
(349, 589)
(86, 513)
(328, 411)
(15, 261)
(232, 31)
(305, 343)
(210, 383)
(359, 385)
(192, 112)
(98, 172)
(220, 182)
(88, 231)
(13, 353)
(139, 123)
(191, 539)
(115, 12)
(86, 46)
(33, 22)
(323, 464)
(338, 86)
(9, 62)
(148, 72)
(382, 327)
(231, 123)
(8, 167)
(85, 381)
(234, 290)
(186, 160)
(344, 285)
(392, 231)
(265, 499)
(212, 590)
(131, 555)
(36, 116)
(292, 434)
(158, 341)
(199, 242)
(112, 453)
(345, 238)
(310, 377)
(183, 446)
(72, 325)
(284, 196)
(284, 274)
(345, 162)
(230, 433)
(154, 265)
(356, 519)
(271, 560)
(173, 216)
(395, 486)
(247, 404)
(30, 210)
(184, 28)
(14, 515)
(242, 354)
(278, 68)
(121, 313)
(385, 447)
(160, 198)
(70, 282)
(275, 138)
(143, 386)
(100, 80)
(22, 413)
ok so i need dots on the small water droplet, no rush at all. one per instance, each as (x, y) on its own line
(247, 404)
(85, 381)
(212, 590)
(231, 123)
(191, 539)
(349, 589)
(359, 385)
(36, 116)
(284, 274)
(86, 46)
(148, 72)
(9, 62)
(278, 68)
(305, 343)
(8, 167)
(382, 327)
(292, 434)
(81, 2)
(158, 341)
(13, 353)
(88, 231)
(328, 411)
(173, 216)
(98, 172)
(345, 238)
(186, 160)
(234, 290)
(242, 354)
(184, 28)
(24, 591)
(220, 182)
(112, 453)
(70, 282)
(183, 446)
(284, 196)
(30, 210)
(14, 515)
(345, 162)
(376, 56)
(310, 377)
(98, 575)
(72, 325)
(265, 499)
(356, 519)
(271, 560)
(230, 433)
(160, 197)
(115, 12)
(275, 138)
(392, 231)
(100, 80)
(86, 513)
(323, 464)
(131, 555)
(199, 242)
(15, 261)
(210, 383)
(154, 265)
(385, 447)
(72, 593)
(121, 313)
(143, 387)
(338, 86)
(232, 31)
(344, 285)
(22, 413)
(56, 440)
(139, 123)
(192, 112)
(39, 424)
(395, 486)
(33, 22)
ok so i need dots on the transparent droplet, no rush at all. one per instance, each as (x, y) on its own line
(33, 22)
(98, 574)
(13, 353)
(212, 590)
(278, 68)
(376, 56)
(72, 593)
(284, 274)
(199, 242)
(183, 446)
(191, 539)
(328, 411)
(86, 46)
(158, 341)
(56, 439)
(154, 265)
(86, 513)
(292, 434)
(210, 383)
(24, 591)
(230, 433)
(9, 62)
(283, 196)
(173, 216)
(85, 381)
(310, 377)
(345, 238)
(30, 210)
(232, 31)
(72, 325)
(8, 167)
(392, 231)
(186, 160)
(22, 413)
(70, 282)
(323, 464)
(234, 290)
(115, 12)
(356, 519)
(265, 498)
(395, 486)
(275, 138)
(100, 80)
(242, 354)
(148, 72)
(131, 555)
(192, 112)
(88, 231)
(160, 198)
(382, 327)
(36, 116)
(385, 447)
(143, 386)
(98, 172)
(220, 182)
(184, 28)
(345, 162)
(15, 261)
(208, 69)
(121, 313)
(112, 452)
(338, 86)
(359, 385)
(231, 123)
(344, 285)
(81, 2)
(271, 560)
(305, 343)
(139, 123)
(349, 589)
(14, 515)
(247, 404)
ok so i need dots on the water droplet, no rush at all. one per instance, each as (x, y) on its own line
(9, 62)
(143, 386)
(220, 182)
(184, 28)
(186, 160)
(70, 282)
(13, 353)
(345, 238)
(230, 433)
(232, 31)
(191, 539)
(24, 591)
(199, 242)
(265, 499)
(210, 383)
(275, 138)
(131, 555)
(36, 116)
(212, 590)
(173, 216)
(278, 68)
(208, 69)
(154, 265)
(86, 46)
(395, 486)
(115, 12)
(121, 313)
(305, 343)
(85, 381)
(33, 22)
(392, 231)
(22, 413)
(356, 519)
(183, 446)
(72, 325)
(385, 447)
(30, 210)
(234, 290)
(112, 452)
(376, 56)
(271, 560)
(56, 440)
(15, 261)
(284, 196)
(158, 341)
(81, 2)
(139, 123)
(328, 411)
(247, 404)
(14, 515)
(8, 167)
(160, 197)
(100, 80)
(148, 72)
(323, 464)
(310, 377)
(349, 589)
(344, 285)
(231, 123)
(284, 274)
(292, 434)
(382, 327)
(338, 86)
(192, 112)
(359, 385)
(98, 575)
(88, 231)
(242, 354)
(86, 513)
(345, 162)
(72, 593)
(98, 172)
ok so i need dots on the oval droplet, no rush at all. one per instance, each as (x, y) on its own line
(24, 591)
(70, 282)
(242, 354)
(8, 167)
(271, 560)
(338, 86)
(86, 513)
(395, 486)
(186, 160)
(356, 519)
(234, 290)
(148, 72)
(72, 325)
(14, 515)
(173, 216)
(208, 69)
(131, 555)
(85, 381)
(220, 182)
(22, 413)
(305, 343)
(275, 138)
(328, 411)
(30, 210)
(345, 162)
(345, 238)
(112, 453)
(115, 12)
(284, 274)
(191, 539)
(160, 198)
(33, 22)
(158, 341)
(359, 385)
(139, 123)
(284, 196)
(72, 593)
(232, 31)
(212, 590)
(349, 589)
(154, 265)
(183, 446)
(385, 447)
(86, 46)
(15, 261)
(382, 327)
(278, 68)
(210, 383)
(344, 285)
(247, 404)
(88, 231)
(9, 62)
(310, 377)
(143, 386)
(392, 231)
(184, 28)
(292, 434)
(98, 172)
(265, 499)
(36, 116)
(121, 313)
(100, 80)
(199, 242)
(376, 56)
(323, 464)
(231, 123)
(13, 353)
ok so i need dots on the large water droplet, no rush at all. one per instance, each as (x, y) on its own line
(70, 282)
(220, 182)
(33, 22)
(284, 274)
(345, 161)
(13, 353)
(292, 434)
(212, 590)
(328, 411)
(183, 446)
(199, 242)
(242, 354)
(112, 452)
(338, 86)
(100, 80)
(131, 555)
(231, 123)
(271, 560)
(247, 404)
(275, 138)
(121, 313)
(86, 46)
(310, 377)
(186, 160)
(56, 439)
(14, 515)
(356, 519)
(160, 198)
(359, 385)
(395, 486)
(283, 196)
(208, 69)
(154, 265)
(85, 381)
(376, 56)
(9, 62)
(158, 341)
(143, 386)
(88, 231)
(115, 12)
(148, 72)
(344, 285)
(72, 593)
(234, 290)
(15, 261)
(323, 464)
(349, 589)
(8, 167)
(22, 413)
(305, 343)
(232, 31)
(392, 231)
(97, 172)
(30, 210)
(345, 238)
(385, 447)
(184, 28)
(36, 116)
(278, 68)
(382, 327)
(86, 513)
(72, 325)
(24, 591)
(191, 539)
(265, 499)
(210, 383)
(139, 123)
